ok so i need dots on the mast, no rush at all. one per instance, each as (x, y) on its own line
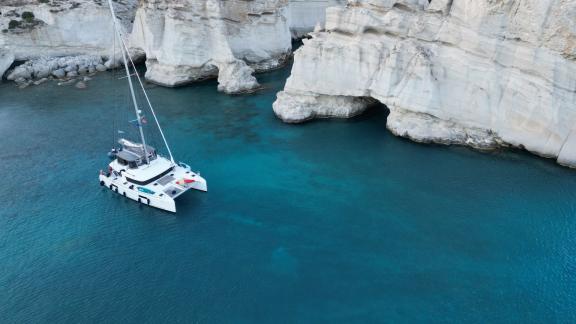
(125, 48)
(136, 110)
(153, 113)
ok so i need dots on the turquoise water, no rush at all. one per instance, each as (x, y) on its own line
(329, 221)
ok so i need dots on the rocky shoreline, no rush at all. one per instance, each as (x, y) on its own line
(183, 40)
(467, 72)
(62, 68)
(54, 36)
(484, 74)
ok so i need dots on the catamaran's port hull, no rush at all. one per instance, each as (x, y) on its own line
(131, 191)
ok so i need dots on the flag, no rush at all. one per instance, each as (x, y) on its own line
(135, 122)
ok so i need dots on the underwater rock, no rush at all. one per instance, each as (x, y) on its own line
(81, 85)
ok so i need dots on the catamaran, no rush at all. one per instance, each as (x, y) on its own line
(137, 170)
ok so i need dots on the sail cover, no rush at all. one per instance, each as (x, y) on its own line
(136, 149)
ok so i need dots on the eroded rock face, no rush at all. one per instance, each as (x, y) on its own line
(33, 29)
(293, 108)
(304, 15)
(479, 73)
(6, 60)
(189, 40)
(184, 40)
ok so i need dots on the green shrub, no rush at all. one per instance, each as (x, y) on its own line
(13, 24)
(43, 1)
(28, 16)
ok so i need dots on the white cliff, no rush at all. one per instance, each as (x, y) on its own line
(189, 40)
(39, 30)
(184, 40)
(474, 72)
(6, 60)
(304, 15)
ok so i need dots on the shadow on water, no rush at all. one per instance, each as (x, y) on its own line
(380, 112)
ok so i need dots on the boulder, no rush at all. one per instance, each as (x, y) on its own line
(71, 67)
(101, 68)
(82, 70)
(42, 72)
(40, 81)
(6, 60)
(236, 77)
(60, 73)
(20, 72)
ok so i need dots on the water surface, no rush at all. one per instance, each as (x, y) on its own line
(329, 221)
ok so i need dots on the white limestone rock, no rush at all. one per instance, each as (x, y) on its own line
(236, 77)
(305, 15)
(183, 40)
(426, 128)
(188, 40)
(478, 73)
(175, 75)
(101, 67)
(39, 82)
(302, 106)
(56, 66)
(40, 33)
(21, 72)
(6, 60)
(60, 28)
(59, 74)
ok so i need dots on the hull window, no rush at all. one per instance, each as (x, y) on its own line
(143, 183)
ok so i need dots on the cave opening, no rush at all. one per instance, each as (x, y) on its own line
(374, 110)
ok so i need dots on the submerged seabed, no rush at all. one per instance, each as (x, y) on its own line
(329, 221)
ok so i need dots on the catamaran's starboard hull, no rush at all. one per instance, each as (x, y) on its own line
(147, 196)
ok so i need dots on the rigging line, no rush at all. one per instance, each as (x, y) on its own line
(113, 59)
(125, 50)
(150, 105)
(124, 53)
(124, 77)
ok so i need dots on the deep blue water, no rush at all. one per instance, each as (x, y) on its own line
(329, 221)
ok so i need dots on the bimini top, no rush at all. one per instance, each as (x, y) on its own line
(134, 152)
(129, 156)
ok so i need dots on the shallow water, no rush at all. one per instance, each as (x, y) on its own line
(329, 221)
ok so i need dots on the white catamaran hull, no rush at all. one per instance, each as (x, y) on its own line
(137, 170)
(161, 193)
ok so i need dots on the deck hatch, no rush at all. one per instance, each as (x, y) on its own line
(173, 191)
(165, 180)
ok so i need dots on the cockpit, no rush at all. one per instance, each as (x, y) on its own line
(133, 155)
